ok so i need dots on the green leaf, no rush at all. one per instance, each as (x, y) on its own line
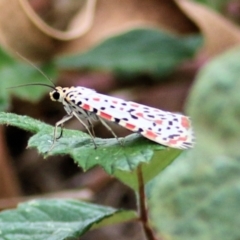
(54, 219)
(217, 121)
(138, 51)
(117, 160)
(198, 196)
(14, 73)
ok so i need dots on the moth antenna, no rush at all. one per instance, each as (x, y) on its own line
(34, 66)
(32, 84)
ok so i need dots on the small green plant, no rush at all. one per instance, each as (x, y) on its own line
(135, 164)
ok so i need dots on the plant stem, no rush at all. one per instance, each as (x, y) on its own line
(143, 214)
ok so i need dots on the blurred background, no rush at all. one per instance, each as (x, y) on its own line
(144, 51)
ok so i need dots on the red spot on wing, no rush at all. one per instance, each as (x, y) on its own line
(96, 99)
(183, 139)
(114, 101)
(130, 126)
(121, 108)
(134, 105)
(185, 122)
(105, 115)
(175, 141)
(139, 114)
(158, 121)
(86, 107)
(151, 134)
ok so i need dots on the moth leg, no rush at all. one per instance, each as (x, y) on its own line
(92, 127)
(61, 133)
(87, 128)
(59, 123)
(109, 129)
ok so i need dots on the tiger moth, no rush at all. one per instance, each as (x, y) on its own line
(166, 128)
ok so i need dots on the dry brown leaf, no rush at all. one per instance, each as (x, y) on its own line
(18, 33)
(114, 17)
(23, 31)
(219, 33)
(79, 24)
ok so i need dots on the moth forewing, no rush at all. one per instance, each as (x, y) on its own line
(166, 128)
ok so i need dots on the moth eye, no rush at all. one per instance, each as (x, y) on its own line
(56, 95)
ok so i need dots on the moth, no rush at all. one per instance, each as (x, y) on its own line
(166, 128)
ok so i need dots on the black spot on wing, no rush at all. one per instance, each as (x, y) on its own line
(187, 144)
(133, 116)
(117, 120)
(173, 136)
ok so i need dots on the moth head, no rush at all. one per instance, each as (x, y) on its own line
(57, 94)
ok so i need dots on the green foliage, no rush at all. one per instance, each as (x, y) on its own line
(136, 52)
(117, 160)
(141, 51)
(61, 219)
(214, 105)
(197, 197)
(55, 219)
(14, 73)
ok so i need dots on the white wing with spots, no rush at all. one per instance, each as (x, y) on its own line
(166, 128)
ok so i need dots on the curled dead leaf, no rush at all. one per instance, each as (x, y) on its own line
(219, 33)
(22, 30)
(115, 17)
